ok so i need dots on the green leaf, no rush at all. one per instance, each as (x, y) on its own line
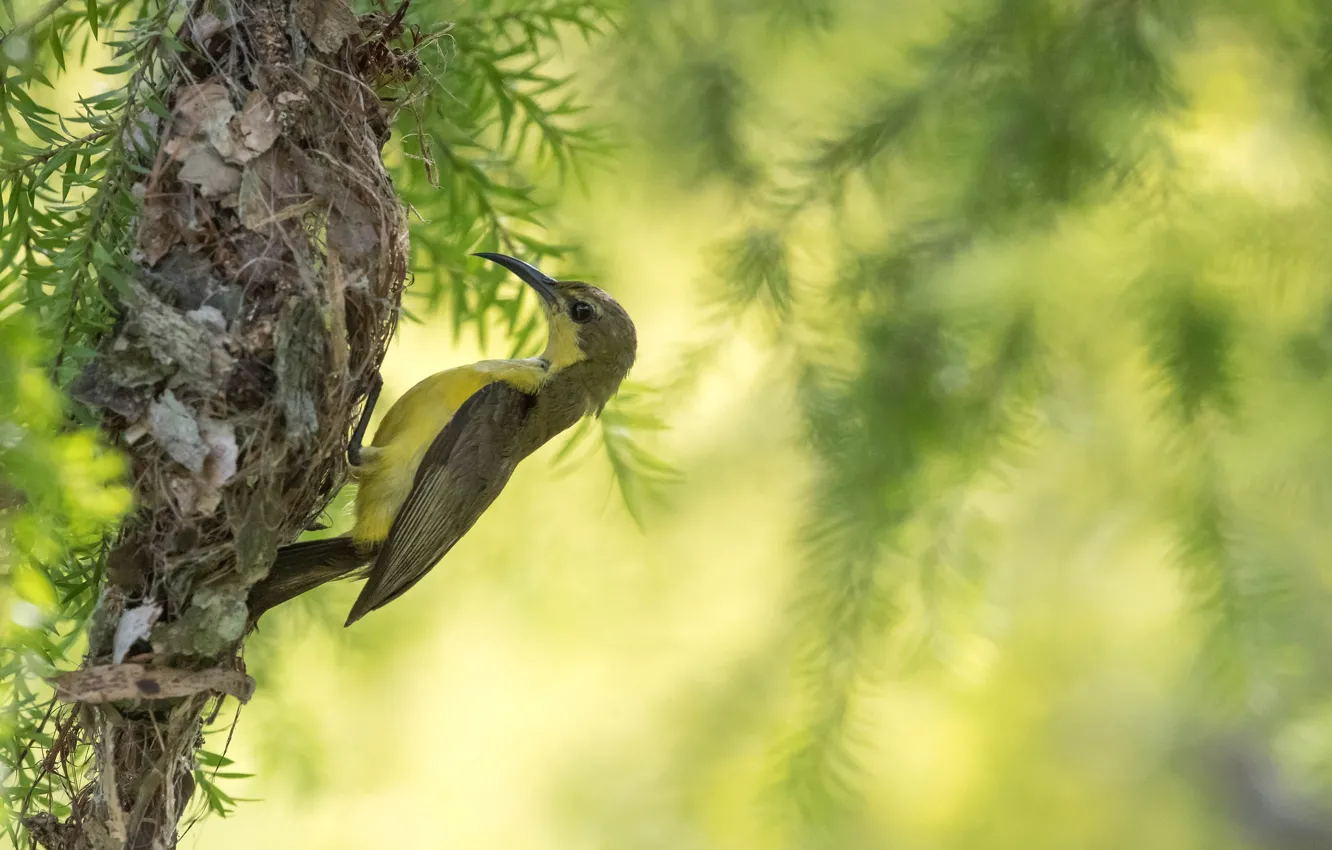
(208, 758)
(1192, 339)
(71, 175)
(55, 163)
(115, 70)
(26, 105)
(57, 49)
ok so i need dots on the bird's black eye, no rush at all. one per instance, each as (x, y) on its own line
(581, 312)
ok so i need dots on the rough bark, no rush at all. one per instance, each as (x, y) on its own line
(271, 258)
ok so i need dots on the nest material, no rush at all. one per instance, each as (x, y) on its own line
(271, 256)
(273, 253)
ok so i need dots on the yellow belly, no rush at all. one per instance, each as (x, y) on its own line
(389, 463)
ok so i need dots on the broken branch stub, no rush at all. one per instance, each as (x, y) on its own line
(135, 682)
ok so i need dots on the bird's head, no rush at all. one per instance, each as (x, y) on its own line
(586, 325)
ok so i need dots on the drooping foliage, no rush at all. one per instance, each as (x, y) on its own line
(1005, 213)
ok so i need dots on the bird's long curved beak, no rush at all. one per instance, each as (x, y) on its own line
(529, 274)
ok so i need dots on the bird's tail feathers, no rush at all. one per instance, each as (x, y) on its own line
(304, 566)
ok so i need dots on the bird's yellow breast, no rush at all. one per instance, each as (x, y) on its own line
(389, 464)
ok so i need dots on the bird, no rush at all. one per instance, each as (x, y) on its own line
(448, 446)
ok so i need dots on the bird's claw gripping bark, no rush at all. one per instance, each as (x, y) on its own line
(372, 396)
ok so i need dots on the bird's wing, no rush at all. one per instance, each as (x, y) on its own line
(462, 472)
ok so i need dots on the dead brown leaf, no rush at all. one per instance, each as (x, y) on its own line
(327, 23)
(205, 169)
(158, 231)
(206, 25)
(258, 124)
(220, 465)
(203, 109)
(268, 188)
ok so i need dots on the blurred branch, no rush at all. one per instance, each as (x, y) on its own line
(641, 476)
(1262, 801)
(27, 26)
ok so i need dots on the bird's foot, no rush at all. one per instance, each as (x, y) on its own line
(371, 397)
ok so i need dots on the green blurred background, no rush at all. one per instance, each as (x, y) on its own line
(993, 342)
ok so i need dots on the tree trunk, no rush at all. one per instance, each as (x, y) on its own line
(271, 258)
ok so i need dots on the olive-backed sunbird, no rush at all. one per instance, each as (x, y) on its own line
(446, 449)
